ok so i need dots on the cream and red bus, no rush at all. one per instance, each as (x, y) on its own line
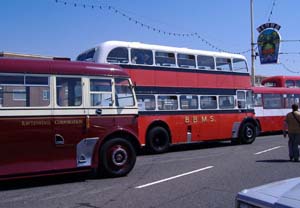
(184, 95)
(59, 116)
(273, 101)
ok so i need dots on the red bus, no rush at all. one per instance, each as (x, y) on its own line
(281, 81)
(271, 104)
(184, 95)
(60, 116)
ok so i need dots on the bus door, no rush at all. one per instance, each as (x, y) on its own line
(25, 124)
(69, 119)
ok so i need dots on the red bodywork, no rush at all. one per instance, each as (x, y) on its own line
(271, 119)
(28, 143)
(202, 125)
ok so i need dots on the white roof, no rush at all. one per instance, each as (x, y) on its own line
(113, 44)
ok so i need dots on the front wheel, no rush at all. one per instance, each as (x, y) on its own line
(247, 133)
(117, 157)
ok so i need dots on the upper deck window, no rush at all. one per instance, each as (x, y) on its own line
(165, 59)
(186, 61)
(223, 64)
(141, 56)
(118, 55)
(239, 65)
(87, 56)
(270, 84)
(205, 62)
(297, 83)
(68, 91)
(23, 91)
(289, 83)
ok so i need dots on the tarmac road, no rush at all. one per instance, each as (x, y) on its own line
(202, 175)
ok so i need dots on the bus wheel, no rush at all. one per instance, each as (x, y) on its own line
(158, 140)
(247, 133)
(117, 157)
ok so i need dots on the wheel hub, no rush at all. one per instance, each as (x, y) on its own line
(119, 156)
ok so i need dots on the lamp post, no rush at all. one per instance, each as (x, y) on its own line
(252, 46)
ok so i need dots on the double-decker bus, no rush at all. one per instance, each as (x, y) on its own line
(61, 116)
(281, 81)
(184, 95)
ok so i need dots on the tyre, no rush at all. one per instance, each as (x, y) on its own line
(158, 140)
(247, 133)
(117, 158)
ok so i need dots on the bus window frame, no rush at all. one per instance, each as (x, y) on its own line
(82, 91)
(24, 85)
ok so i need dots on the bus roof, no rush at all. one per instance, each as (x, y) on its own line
(113, 44)
(63, 67)
(279, 78)
(28, 56)
(277, 90)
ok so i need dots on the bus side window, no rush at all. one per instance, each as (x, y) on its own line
(68, 91)
(239, 65)
(146, 102)
(241, 99)
(208, 102)
(167, 102)
(165, 59)
(24, 91)
(188, 102)
(226, 102)
(223, 64)
(118, 55)
(186, 61)
(205, 62)
(87, 56)
(272, 101)
(124, 94)
(141, 56)
(289, 83)
(100, 92)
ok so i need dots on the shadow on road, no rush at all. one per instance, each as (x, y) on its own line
(14, 184)
(274, 161)
(191, 146)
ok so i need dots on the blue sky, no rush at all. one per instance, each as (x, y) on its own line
(55, 29)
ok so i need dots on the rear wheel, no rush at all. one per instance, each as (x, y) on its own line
(117, 157)
(158, 140)
(247, 133)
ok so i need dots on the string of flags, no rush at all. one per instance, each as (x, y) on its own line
(144, 25)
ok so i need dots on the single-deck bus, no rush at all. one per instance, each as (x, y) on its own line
(271, 105)
(184, 95)
(60, 116)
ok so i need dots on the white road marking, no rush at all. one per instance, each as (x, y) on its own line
(173, 177)
(267, 150)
